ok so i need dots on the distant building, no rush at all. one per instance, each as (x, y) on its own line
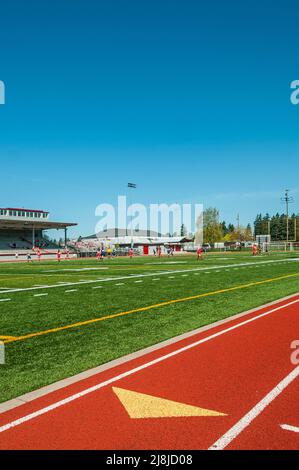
(145, 241)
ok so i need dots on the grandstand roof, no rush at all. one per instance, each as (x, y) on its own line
(22, 224)
(23, 209)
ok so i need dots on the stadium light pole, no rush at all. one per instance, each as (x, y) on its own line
(132, 186)
(287, 200)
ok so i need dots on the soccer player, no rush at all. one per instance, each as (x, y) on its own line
(99, 254)
(58, 256)
(29, 260)
(39, 254)
(131, 252)
(199, 253)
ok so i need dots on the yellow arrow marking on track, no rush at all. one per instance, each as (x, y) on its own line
(139, 405)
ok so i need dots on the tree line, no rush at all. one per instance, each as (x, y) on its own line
(276, 226)
(215, 230)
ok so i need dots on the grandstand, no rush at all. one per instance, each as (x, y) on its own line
(23, 229)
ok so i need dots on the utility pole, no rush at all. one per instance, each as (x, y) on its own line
(132, 186)
(287, 200)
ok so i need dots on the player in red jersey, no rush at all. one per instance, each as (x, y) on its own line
(199, 253)
(131, 252)
(39, 254)
(58, 256)
(99, 254)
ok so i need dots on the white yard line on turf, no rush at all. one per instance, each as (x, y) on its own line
(4, 300)
(39, 295)
(244, 422)
(146, 365)
(163, 273)
(74, 270)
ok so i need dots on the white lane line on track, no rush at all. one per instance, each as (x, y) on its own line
(244, 422)
(146, 365)
(288, 427)
(109, 279)
(39, 295)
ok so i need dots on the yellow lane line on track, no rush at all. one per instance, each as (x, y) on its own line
(143, 309)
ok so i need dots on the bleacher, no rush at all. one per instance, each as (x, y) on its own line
(22, 230)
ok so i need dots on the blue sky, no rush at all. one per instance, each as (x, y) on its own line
(189, 99)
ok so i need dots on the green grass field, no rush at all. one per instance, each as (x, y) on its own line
(84, 290)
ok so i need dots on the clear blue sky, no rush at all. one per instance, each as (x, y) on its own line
(189, 99)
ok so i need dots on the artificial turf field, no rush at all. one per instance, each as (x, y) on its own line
(59, 319)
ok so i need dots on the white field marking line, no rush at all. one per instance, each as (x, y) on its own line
(39, 295)
(157, 279)
(4, 300)
(146, 365)
(118, 284)
(74, 270)
(97, 287)
(244, 422)
(288, 427)
(166, 262)
(138, 281)
(71, 290)
(118, 278)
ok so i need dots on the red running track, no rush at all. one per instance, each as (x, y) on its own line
(233, 368)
